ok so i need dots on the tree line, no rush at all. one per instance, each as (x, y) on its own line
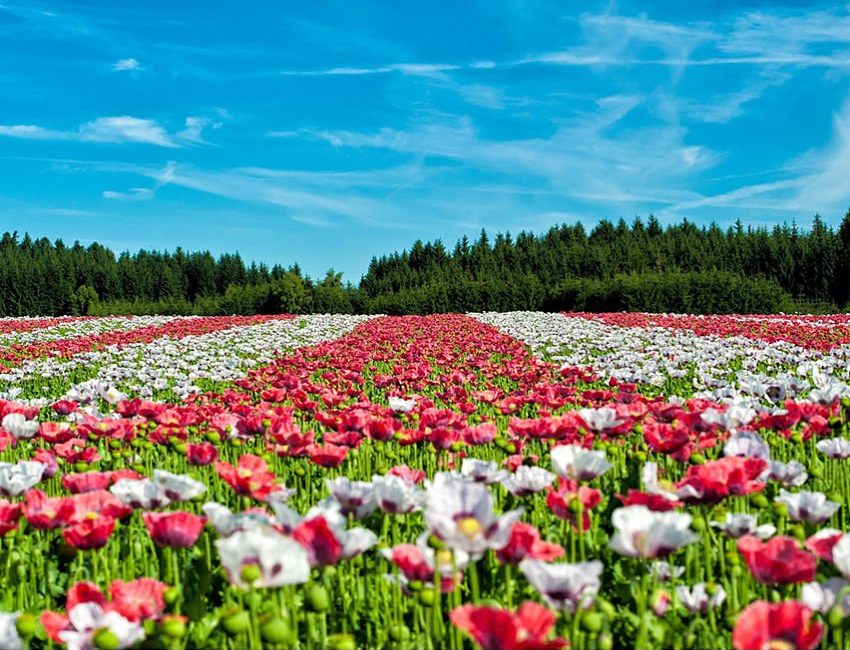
(615, 266)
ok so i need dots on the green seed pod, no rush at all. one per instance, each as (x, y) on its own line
(318, 599)
(510, 448)
(427, 597)
(605, 642)
(815, 470)
(276, 630)
(105, 639)
(213, 436)
(25, 625)
(171, 595)
(640, 456)
(780, 509)
(835, 617)
(435, 542)
(798, 532)
(341, 642)
(81, 466)
(607, 608)
(797, 437)
(592, 622)
(236, 623)
(759, 500)
(697, 459)
(456, 446)
(698, 524)
(399, 632)
(173, 626)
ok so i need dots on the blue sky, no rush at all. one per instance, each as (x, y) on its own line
(326, 132)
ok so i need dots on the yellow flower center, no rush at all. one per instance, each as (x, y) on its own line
(469, 527)
(778, 644)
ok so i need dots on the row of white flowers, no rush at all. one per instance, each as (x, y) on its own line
(725, 369)
(81, 327)
(168, 364)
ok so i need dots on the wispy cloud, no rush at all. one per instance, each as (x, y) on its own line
(126, 65)
(120, 129)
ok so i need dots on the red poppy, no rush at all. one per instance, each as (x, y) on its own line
(55, 432)
(327, 455)
(665, 438)
(494, 628)
(84, 592)
(412, 476)
(87, 482)
(560, 501)
(525, 543)
(714, 481)
(821, 543)
(175, 529)
(655, 502)
(250, 476)
(319, 541)
(778, 561)
(9, 515)
(203, 453)
(64, 407)
(138, 599)
(776, 625)
(46, 513)
(48, 459)
(90, 533)
(99, 502)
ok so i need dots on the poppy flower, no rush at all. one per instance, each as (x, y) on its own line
(327, 543)
(90, 533)
(644, 533)
(87, 482)
(250, 476)
(279, 560)
(525, 543)
(714, 481)
(494, 628)
(202, 453)
(174, 529)
(655, 502)
(460, 513)
(47, 513)
(561, 499)
(10, 513)
(823, 542)
(776, 625)
(138, 599)
(568, 587)
(777, 561)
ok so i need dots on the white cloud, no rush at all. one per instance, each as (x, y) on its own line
(125, 128)
(134, 194)
(194, 129)
(123, 65)
(30, 132)
(119, 129)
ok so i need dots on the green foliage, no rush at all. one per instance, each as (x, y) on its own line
(682, 268)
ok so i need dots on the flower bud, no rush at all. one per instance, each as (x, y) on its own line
(318, 599)
(276, 630)
(105, 639)
(236, 623)
(25, 625)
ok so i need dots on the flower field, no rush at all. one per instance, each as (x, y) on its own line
(501, 480)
